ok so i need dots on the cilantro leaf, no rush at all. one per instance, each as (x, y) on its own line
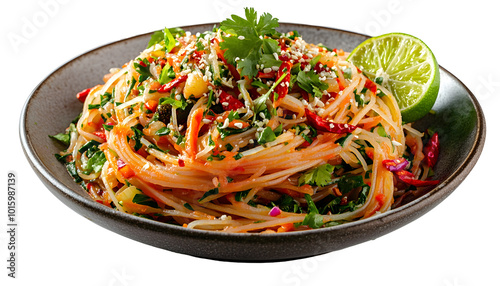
(246, 42)
(95, 163)
(346, 184)
(145, 200)
(319, 176)
(313, 219)
(209, 193)
(309, 81)
(65, 137)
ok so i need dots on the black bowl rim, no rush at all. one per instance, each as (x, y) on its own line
(438, 193)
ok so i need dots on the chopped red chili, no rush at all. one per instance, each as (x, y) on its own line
(323, 125)
(431, 150)
(229, 102)
(409, 178)
(82, 95)
(173, 83)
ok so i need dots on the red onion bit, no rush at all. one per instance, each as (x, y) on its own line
(396, 164)
(275, 211)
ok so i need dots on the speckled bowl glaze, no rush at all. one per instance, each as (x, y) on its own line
(458, 119)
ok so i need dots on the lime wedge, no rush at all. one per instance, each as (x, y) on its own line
(405, 66)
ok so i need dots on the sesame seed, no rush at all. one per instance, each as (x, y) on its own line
(241, 37)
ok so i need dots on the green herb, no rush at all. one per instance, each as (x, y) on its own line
(209, 193)
(88, 145)
(247, 39)
(106, 97)
(210, 98)
(360, 101)
(267, 135)
(142, 69)
(319, 176)
(62, 158)
(153, 146)
(95, 162)
(130, 88)
(163, 131)
(238, 156)
(240, 195)
(167, 74)
(65, 137)
(211, 141)
(287, 204)
(260, 84)
(259, 104)
(341, 141)
(310, 82)
(107, 127)
(313, 219)
(72, 171)
(145, 200)
(182, 104)
(348, 73)
(346, 184)
(137, 137)
(188, 206)
(93, 106)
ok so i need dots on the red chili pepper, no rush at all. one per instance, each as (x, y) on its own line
(395, 165)
(271, 74)
(318, 68)
(100, 134)
(181, 163)
(282, 88)
(173, 83)
(82, 95)
(232, 102)
(371, 86)
(323, 125)
(431, 150)
(231, 68)
(409, 178)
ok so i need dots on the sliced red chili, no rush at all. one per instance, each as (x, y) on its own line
(173, 83)
(282, 88)
(82, 95)
(229, 102)
(371, 86)
(409, 178)
(431, 150)
(323, 125)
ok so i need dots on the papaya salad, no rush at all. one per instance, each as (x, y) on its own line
(245, 129)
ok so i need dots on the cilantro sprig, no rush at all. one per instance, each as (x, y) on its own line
(246, 43)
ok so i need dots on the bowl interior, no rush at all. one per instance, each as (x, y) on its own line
(458, 119)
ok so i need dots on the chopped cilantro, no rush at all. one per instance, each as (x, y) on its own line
(246, 42)
(310, 82)
(319, 176)
(209, 193)
(143, 199)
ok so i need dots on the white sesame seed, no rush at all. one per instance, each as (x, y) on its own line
(239, 125)
(241, 37)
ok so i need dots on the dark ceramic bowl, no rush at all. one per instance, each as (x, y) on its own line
(458, 119)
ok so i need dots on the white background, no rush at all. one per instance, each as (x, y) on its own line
(457, 243)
